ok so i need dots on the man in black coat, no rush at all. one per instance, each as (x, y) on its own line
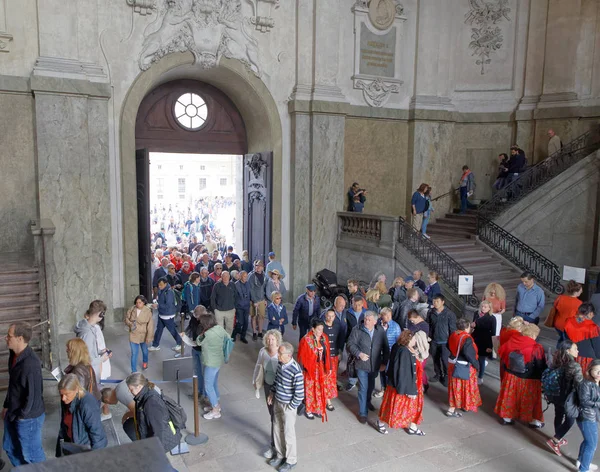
(442, 323)
(206, 286)
(369, 346)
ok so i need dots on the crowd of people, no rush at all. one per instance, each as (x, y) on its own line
(377, 334)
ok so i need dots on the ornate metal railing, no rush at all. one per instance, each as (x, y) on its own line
(544, 171)
(516, 251)
(361, 226)
(434, 257)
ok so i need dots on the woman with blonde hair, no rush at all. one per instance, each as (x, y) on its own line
(372, 297)
(397, 291)
(495, 294)
(80, 421)
(81, 365)
(524, 361)
(264, 375)
(484, 326)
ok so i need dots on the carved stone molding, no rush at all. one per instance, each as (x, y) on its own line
(261, 14)
(376, 92)
(256, 187)
(143, 7)
(486, 36)
(209, 29)
(69, 68)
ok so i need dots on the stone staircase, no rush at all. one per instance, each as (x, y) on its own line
(455, 235)
(19, 301)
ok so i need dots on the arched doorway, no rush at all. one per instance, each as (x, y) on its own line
(263, 131)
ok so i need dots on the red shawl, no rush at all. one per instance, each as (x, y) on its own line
(465, 174)
(528, 347)
(506, 334)
(458, 338)
(307, 356)
(579, 331)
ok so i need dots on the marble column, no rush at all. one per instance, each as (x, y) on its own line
(72, 150)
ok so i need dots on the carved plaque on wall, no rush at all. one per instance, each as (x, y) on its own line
(378, 28)
(377, 52)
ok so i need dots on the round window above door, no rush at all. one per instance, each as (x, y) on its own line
(190, 111)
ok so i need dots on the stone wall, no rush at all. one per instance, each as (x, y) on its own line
(375, 156)
(557, 219)
(17, 167)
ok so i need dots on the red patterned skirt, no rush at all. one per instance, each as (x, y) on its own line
(520, 399)
(463, 394)
(399, 411)
(584, 362)
(331, 390)
(314, 389)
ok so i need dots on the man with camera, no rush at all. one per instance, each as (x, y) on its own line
(356, 198)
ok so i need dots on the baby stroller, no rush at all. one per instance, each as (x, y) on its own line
(328, 288)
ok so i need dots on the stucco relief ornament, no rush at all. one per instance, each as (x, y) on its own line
(209, 29)
(256, 185)
(486, 36)
(376, 93)
(382, 13)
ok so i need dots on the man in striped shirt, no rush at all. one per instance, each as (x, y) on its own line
(286, 395)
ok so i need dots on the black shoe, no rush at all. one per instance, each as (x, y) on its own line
(444, 382)
(435, 378)
(286, 467)
(233, 338)
(244, 340)
(254, 337)
(2, 464)
(425, 388)
(362, 419)
(260, 335)
(371, 407)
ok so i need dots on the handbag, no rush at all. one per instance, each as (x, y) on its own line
(572, 405)
(549, 321)
(260, 377)
(351, 367)
(462, 370)
(516, 363)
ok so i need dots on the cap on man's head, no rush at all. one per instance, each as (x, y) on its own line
(230, 248)
(409, 279)
(271, 254)
(357, 298)
(311, 288)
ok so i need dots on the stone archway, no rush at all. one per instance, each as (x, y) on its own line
(254, 102)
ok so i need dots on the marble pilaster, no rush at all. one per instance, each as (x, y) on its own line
(72, 139)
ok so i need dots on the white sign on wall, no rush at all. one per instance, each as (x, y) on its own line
(465, 285)
(574, 273)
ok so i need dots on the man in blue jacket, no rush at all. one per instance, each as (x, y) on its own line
(166, 315)
(354, 317)
(307, 306)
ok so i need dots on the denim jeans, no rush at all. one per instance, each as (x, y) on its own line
(529, 319)
(561, 337)
(197, 359)
(170, 325)
(366, 385)
(383, 380)
(562, 423)
(426, 217)
(589, 430)
(211, 384)
(482, 361)
(241, 322)
(23, 440)
(134, 354)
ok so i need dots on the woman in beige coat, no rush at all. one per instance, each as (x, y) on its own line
(141, 330)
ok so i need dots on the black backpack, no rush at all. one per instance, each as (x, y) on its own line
(176, 412)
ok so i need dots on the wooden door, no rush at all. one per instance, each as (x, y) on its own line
(142, 166)
(258, 193)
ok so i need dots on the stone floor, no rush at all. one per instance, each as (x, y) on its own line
(476, 442)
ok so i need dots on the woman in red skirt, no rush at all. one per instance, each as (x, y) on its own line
(585, 333)
(402, 404)
(463, 393)
(335, 333)
(313, 355)
(514, 328)
(520, 394)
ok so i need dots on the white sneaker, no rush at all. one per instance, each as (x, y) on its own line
(212, 415)
(592, 466)
(378, 394)
(479, 381)
(154, 348)
(176, 348)
(268, 454)
(425, 235)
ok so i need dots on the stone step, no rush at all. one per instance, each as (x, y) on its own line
(447, 244)
(28, 275)
(14, 299)
(19, 287)
(454, 226)
(467, 217)
(433, 230)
